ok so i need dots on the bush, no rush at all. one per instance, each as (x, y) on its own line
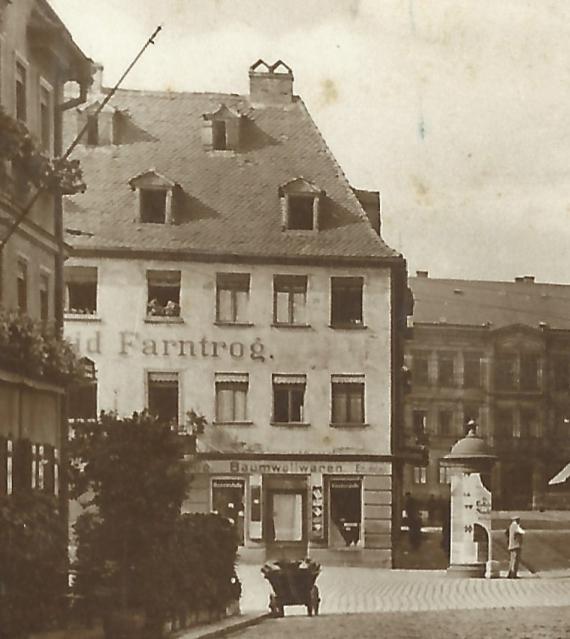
(33, 564)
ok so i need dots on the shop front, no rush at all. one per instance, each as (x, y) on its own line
(331, 509)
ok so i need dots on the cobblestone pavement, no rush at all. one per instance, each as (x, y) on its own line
(354, 590)
(529, 623)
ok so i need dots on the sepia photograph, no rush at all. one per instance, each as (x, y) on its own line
(284, 319)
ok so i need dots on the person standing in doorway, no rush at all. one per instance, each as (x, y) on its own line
(515, 546)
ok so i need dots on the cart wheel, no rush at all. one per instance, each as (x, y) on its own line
(315, 601)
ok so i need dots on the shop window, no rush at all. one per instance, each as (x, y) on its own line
(22, 286)
(529, 372)
(163, 293)
(45, 117)
(162, 399)
(506, 372)
(345, 511)
(444, 473)
(80, 289)
(228, 502)
(288, 398)
(82, 401)
(287, 521)
(346, 301)
(529, 424)
(44, 297)
(420, 474)
(420, 369)
(231, 397)
(472, 370)
(301, 213)
(561, 373)
(289, 299)
(347, 399)
(232, 297)
(445, 423)
(445, 369)
(21, 92)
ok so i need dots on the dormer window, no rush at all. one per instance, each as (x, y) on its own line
(92, 132)
(100, 128)
(221, 130)
(300, 205)
(155, 201)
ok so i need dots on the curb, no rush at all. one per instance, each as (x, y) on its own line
(230, 628)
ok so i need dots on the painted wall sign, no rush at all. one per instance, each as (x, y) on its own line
(128, 343)
(292, 467)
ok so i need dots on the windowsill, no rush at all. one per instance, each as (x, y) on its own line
(349, 425)
(284, 325)
(163, 319)
(81, 317)
(246, 422)
(349, 327)
(291, 424)
(233, 324)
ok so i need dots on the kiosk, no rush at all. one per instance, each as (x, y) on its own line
(470, 461)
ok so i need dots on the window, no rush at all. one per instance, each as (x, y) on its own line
(163, 396)
(419, 418)
(288, 398)
(81, 289)
(92, 129)
(21, 89)
(347, 399)
(504, 424)
(420, 475)
(231, 397)
(446, 423)
(228, 501)
(444, 473)
(301, 213)
(163, 293)
(45, 117)
(345, 512)
(44, 297)
(289, 299)
(82, 402)
(22, 286)
(219, 135)
(529, 424)
(561, 373)
(420, 370)
(472, 370)
(346, 301)
(529, 372)
(506, 372)
(232, 297)
(153, 206)
(470, 414)
(445, 369)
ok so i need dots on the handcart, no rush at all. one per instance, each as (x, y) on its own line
(293, 584)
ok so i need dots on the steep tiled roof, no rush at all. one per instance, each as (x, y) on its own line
(230, 201)
(474, 303)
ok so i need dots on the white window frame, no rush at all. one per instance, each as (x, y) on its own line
(44, 85)
(420, 475)
(20, 59)
(232, 378)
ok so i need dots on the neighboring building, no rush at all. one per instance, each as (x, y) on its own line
(37, 55)
(497, 353)
(223, 264)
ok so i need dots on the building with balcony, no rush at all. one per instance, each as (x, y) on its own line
(223, 264)
(497, 353)
(37, 56)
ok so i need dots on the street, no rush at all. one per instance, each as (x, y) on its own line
(502, 623)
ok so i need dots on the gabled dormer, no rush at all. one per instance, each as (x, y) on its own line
(222, 129)
(102, 127)
(155, 197)
(301, 203)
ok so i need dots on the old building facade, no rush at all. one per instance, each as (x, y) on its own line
(37, 57)
(496, 353)
(223, 265)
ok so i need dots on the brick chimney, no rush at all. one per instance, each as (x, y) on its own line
(423, 274)
(270, 85)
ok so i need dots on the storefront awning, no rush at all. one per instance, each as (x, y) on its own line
(561, 477)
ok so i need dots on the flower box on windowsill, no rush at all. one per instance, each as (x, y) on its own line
(233, 324)
(285, 325)
(349, 424)
(81, 317)
(237, 422)
(163, 319)
(292, 424)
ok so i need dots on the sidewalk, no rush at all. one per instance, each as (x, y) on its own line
(222, 627)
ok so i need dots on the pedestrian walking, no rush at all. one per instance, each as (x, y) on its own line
(515, 546)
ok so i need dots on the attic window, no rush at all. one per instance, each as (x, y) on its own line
(153, 206)
(301, 213)
(219, 135)
(92, 130)
(221, 129)
(300, 205)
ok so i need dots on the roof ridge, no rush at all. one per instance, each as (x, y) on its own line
(164, 93)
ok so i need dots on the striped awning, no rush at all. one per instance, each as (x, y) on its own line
(289, 379)
(232, 378)
(347, 379)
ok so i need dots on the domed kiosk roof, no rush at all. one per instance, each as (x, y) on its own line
(471, 447)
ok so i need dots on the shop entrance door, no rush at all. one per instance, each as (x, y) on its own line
(285, 525)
